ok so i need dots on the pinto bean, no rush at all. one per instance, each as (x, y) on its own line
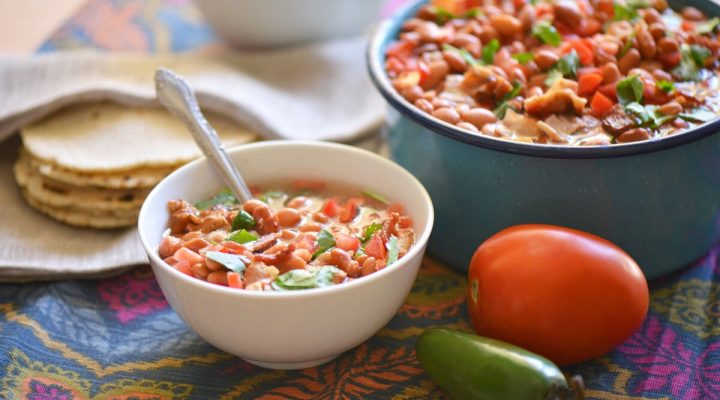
(506, 25)
(692, 14)
(646, 43)
(488, 33)
(467, 126)
(668, 45)
(650, 15)
(661, 75)
(368, 266)
(545, 59)
(447, 114)
(454, 61)
(568, 13)
(424, 105)
(630, 60)
(412, 93)
(288, 217)
(671, 108)
(438, 71)
(527, 16)
(657, 30)
(478, 117)
(633, 135)
(611, 73)
(200, 270)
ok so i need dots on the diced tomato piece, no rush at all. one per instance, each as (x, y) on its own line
(405, 222)
(184, 267)
(188, 255)
(306, 184)
(608, 7)
(670, 60)
(588, 83)
(331, 208)
(519, 3)
(376, 248)
(600, 104)
(346, 242)
(350, 209)
(396, 208)
(583, 50)
(400, 49)
(609, 90)
(687, 26)
(234, 280)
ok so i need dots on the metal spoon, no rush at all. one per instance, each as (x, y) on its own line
(177, 97)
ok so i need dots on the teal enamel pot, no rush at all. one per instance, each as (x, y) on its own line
(659, 200)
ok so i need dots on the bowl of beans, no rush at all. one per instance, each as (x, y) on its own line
(318, 261)
(595, 114)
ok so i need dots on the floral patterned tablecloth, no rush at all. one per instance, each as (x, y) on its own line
(118, 339)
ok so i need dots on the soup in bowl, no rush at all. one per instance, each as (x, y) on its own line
(308, 269)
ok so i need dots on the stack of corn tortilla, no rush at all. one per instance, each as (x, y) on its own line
(92, 165)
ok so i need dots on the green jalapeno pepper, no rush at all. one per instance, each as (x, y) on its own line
(468, 366)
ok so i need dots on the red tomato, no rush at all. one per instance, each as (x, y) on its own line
(562, 293)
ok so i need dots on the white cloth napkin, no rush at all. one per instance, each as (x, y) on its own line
(319, 91)
(314, 92)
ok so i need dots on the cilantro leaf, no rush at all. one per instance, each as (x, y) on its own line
(243, 220)
(504, 103)
(325, 241)
(298, 279)
(489, 50)
(242, 236)
(233, 262)
(392, 247)
(269, 195)
(566, 67)
(376, 196)
(665, 86)
(692, 59)
(630, 90)
(225, 197)
(647, 116)
(546, 32)
(442, 16)
(624, 12)
(709, 26)
(698, 115)
(369, 230)
(523, 58)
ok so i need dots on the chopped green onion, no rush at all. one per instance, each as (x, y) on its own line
(523, 58)
(376, 196)
(665, 86)
(223, 197)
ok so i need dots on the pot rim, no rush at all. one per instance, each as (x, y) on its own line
(375, 65)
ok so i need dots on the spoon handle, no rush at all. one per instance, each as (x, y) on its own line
(175, 94)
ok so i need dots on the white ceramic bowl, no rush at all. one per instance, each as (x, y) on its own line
(288, 330)
(268, 23)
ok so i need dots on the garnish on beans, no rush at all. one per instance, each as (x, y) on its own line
(304, 235)
(585, 73)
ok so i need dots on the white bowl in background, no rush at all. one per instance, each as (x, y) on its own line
(288, 330)
(270, 23)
